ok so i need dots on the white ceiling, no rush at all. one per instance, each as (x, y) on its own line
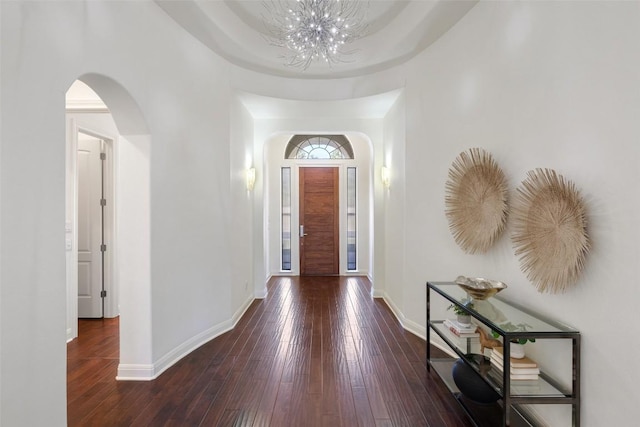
(397, 30)
(234, 29)
(369, 107)
(81, 97)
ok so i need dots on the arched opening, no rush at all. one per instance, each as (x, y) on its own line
(270, 140)
(287, 157)
(116, 122)
(89, 208)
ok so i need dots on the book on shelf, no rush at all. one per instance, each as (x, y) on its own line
(513, 370)
(517, 377)
(498, 361)
(496, 375)
(519, 369)
(524, 362)
(524, 371)
(460, 330)
(465, 343)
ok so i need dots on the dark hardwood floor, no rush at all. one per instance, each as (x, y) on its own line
(318, 351)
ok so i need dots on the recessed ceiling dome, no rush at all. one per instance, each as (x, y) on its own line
(396, 31)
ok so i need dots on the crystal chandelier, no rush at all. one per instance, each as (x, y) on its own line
(315, 30)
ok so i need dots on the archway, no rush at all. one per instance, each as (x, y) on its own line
(130, 253)
(277, 148)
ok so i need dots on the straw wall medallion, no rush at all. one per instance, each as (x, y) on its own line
(550, 230)
(476, 200)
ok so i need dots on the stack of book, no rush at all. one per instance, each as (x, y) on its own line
(460, 330)
(464, 337)
(520, 369)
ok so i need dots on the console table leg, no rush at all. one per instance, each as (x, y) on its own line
(428, 330)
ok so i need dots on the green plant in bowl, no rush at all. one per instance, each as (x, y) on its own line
(510, 327)
(467, 302)
(462, 316)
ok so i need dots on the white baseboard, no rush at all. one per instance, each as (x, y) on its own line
(377, 293)
(415, 328)
(153, 371)
(135, 372)
(239, 312)
(436, 341)
(262, 293)
(188, 346)
(394, 308)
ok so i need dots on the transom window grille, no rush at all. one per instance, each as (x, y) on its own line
(319, 147)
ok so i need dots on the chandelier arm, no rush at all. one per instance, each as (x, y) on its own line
(314, 30)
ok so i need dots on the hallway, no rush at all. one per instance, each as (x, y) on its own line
(316, 351)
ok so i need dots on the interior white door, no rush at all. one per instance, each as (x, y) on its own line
(90, 227)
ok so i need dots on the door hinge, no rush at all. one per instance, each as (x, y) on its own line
(103, 294)
(103, 248)
(103, 156)
(103, 202)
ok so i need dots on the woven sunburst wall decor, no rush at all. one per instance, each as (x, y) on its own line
(549, 230)
(476, 200)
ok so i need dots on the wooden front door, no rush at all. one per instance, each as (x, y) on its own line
(319, 225)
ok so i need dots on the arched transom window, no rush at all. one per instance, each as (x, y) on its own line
(319, 147)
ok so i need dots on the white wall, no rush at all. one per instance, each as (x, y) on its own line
(394, 232)
(133, 265)
(1, 210)
(537, 84)
(181, 91)
(242, 238)
(32, 298)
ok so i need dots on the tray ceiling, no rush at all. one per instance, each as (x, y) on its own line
(396, 31)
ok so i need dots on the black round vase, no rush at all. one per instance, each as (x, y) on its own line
(471, 385)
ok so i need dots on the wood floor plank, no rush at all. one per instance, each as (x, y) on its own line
(376, 399)
(364, 412)
(282, 405)
(317, 351)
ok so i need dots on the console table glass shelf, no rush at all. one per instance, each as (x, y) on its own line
(494, 313)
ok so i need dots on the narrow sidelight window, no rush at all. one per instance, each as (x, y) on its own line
(286, 218)
(351, 219)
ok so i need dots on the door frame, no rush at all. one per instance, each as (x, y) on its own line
(110, 303)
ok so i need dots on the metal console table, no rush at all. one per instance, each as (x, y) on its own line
(491, 314)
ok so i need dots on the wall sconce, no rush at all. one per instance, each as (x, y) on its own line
(251, 178)
(386, 177)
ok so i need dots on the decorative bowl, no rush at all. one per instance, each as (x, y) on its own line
(479, 288)
(470, 383)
